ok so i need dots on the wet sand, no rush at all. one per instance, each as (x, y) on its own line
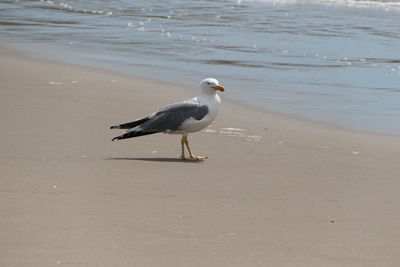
(275, 190)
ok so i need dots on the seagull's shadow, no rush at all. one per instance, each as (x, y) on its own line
(157, 159)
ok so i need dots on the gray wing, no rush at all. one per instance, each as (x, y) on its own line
(171, 117)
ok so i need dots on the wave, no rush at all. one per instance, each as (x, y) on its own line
(51, 5)
(351, 3)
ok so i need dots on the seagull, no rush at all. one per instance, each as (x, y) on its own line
(183, 117)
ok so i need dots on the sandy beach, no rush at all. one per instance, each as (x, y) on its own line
(275, 190)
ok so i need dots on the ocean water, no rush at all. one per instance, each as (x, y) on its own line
(336, 61)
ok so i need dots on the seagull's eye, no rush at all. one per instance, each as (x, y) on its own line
(208, 83)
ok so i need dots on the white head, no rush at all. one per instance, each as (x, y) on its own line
(210, 86)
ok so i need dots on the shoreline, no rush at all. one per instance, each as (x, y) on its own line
(323, 122)
(274, 190)
(328, 119)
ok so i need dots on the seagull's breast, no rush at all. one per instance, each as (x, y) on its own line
(193, 125)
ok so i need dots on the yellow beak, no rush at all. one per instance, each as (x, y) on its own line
(219, 88)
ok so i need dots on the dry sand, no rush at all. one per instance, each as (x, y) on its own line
(275, 191)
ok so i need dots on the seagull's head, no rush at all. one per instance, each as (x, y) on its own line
(211, 86)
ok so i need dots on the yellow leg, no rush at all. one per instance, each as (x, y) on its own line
(185, 141)
(183, 148)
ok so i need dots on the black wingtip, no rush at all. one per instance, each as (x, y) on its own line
(114, 127)
(115, 138)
